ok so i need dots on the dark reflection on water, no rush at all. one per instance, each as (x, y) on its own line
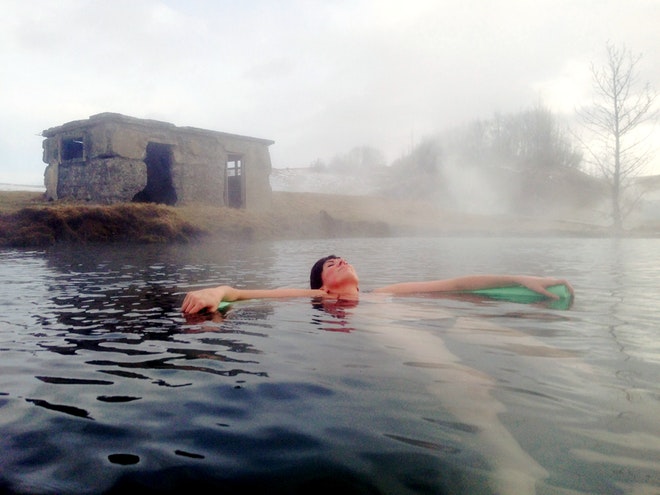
(105, 387)
(74, 411)
(189, 403)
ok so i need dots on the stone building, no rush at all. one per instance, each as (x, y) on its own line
(111, 158)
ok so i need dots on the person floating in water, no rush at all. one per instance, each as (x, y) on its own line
(333, 278)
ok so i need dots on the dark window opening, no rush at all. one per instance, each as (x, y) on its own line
(234, 175)
(159, 188)
(72, 149)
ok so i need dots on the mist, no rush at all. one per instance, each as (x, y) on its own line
(525, 164)
(317, 78)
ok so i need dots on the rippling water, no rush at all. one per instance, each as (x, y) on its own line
(105, 386)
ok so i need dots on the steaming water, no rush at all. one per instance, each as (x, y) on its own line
(105, 386)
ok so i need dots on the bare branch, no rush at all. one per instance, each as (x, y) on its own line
(620, 106)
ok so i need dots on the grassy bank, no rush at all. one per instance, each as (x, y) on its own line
(43, 225)
(27, 220)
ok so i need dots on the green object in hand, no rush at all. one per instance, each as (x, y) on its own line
(520, 294)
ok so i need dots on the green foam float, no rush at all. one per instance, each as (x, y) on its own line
(520, 294)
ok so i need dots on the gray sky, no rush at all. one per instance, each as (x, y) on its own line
(317, 77)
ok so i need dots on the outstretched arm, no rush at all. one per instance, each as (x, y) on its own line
(210, 298)
(475, 282)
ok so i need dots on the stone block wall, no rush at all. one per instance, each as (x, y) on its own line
(104, 160)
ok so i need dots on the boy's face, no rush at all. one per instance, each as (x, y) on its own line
(337, 272)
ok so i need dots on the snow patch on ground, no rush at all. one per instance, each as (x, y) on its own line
(21, 187)
(313, 181)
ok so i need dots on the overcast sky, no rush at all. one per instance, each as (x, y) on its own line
(317, 77)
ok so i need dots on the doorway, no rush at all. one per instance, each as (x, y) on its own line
(159, 188)
(234, 192)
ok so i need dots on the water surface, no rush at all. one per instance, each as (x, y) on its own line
(105, 385)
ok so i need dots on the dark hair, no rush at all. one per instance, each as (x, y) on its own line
(315, 280)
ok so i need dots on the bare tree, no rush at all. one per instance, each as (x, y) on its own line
(619, 108)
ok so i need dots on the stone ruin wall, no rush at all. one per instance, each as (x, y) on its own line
(256, 169)
(113, 168)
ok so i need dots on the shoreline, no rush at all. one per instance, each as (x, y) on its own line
(27, 220)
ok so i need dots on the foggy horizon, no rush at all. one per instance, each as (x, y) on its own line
(317, 78)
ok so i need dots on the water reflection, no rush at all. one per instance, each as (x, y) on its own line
(100, 368)
(72, 410)
(334, 315)
(115, 310)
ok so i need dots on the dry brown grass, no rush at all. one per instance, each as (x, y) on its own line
(12, 201)
(412, 217)
(291, 215)
(44, 225)
(26, 219)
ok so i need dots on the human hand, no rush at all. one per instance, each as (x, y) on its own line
(541, 284)
(198, 300)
